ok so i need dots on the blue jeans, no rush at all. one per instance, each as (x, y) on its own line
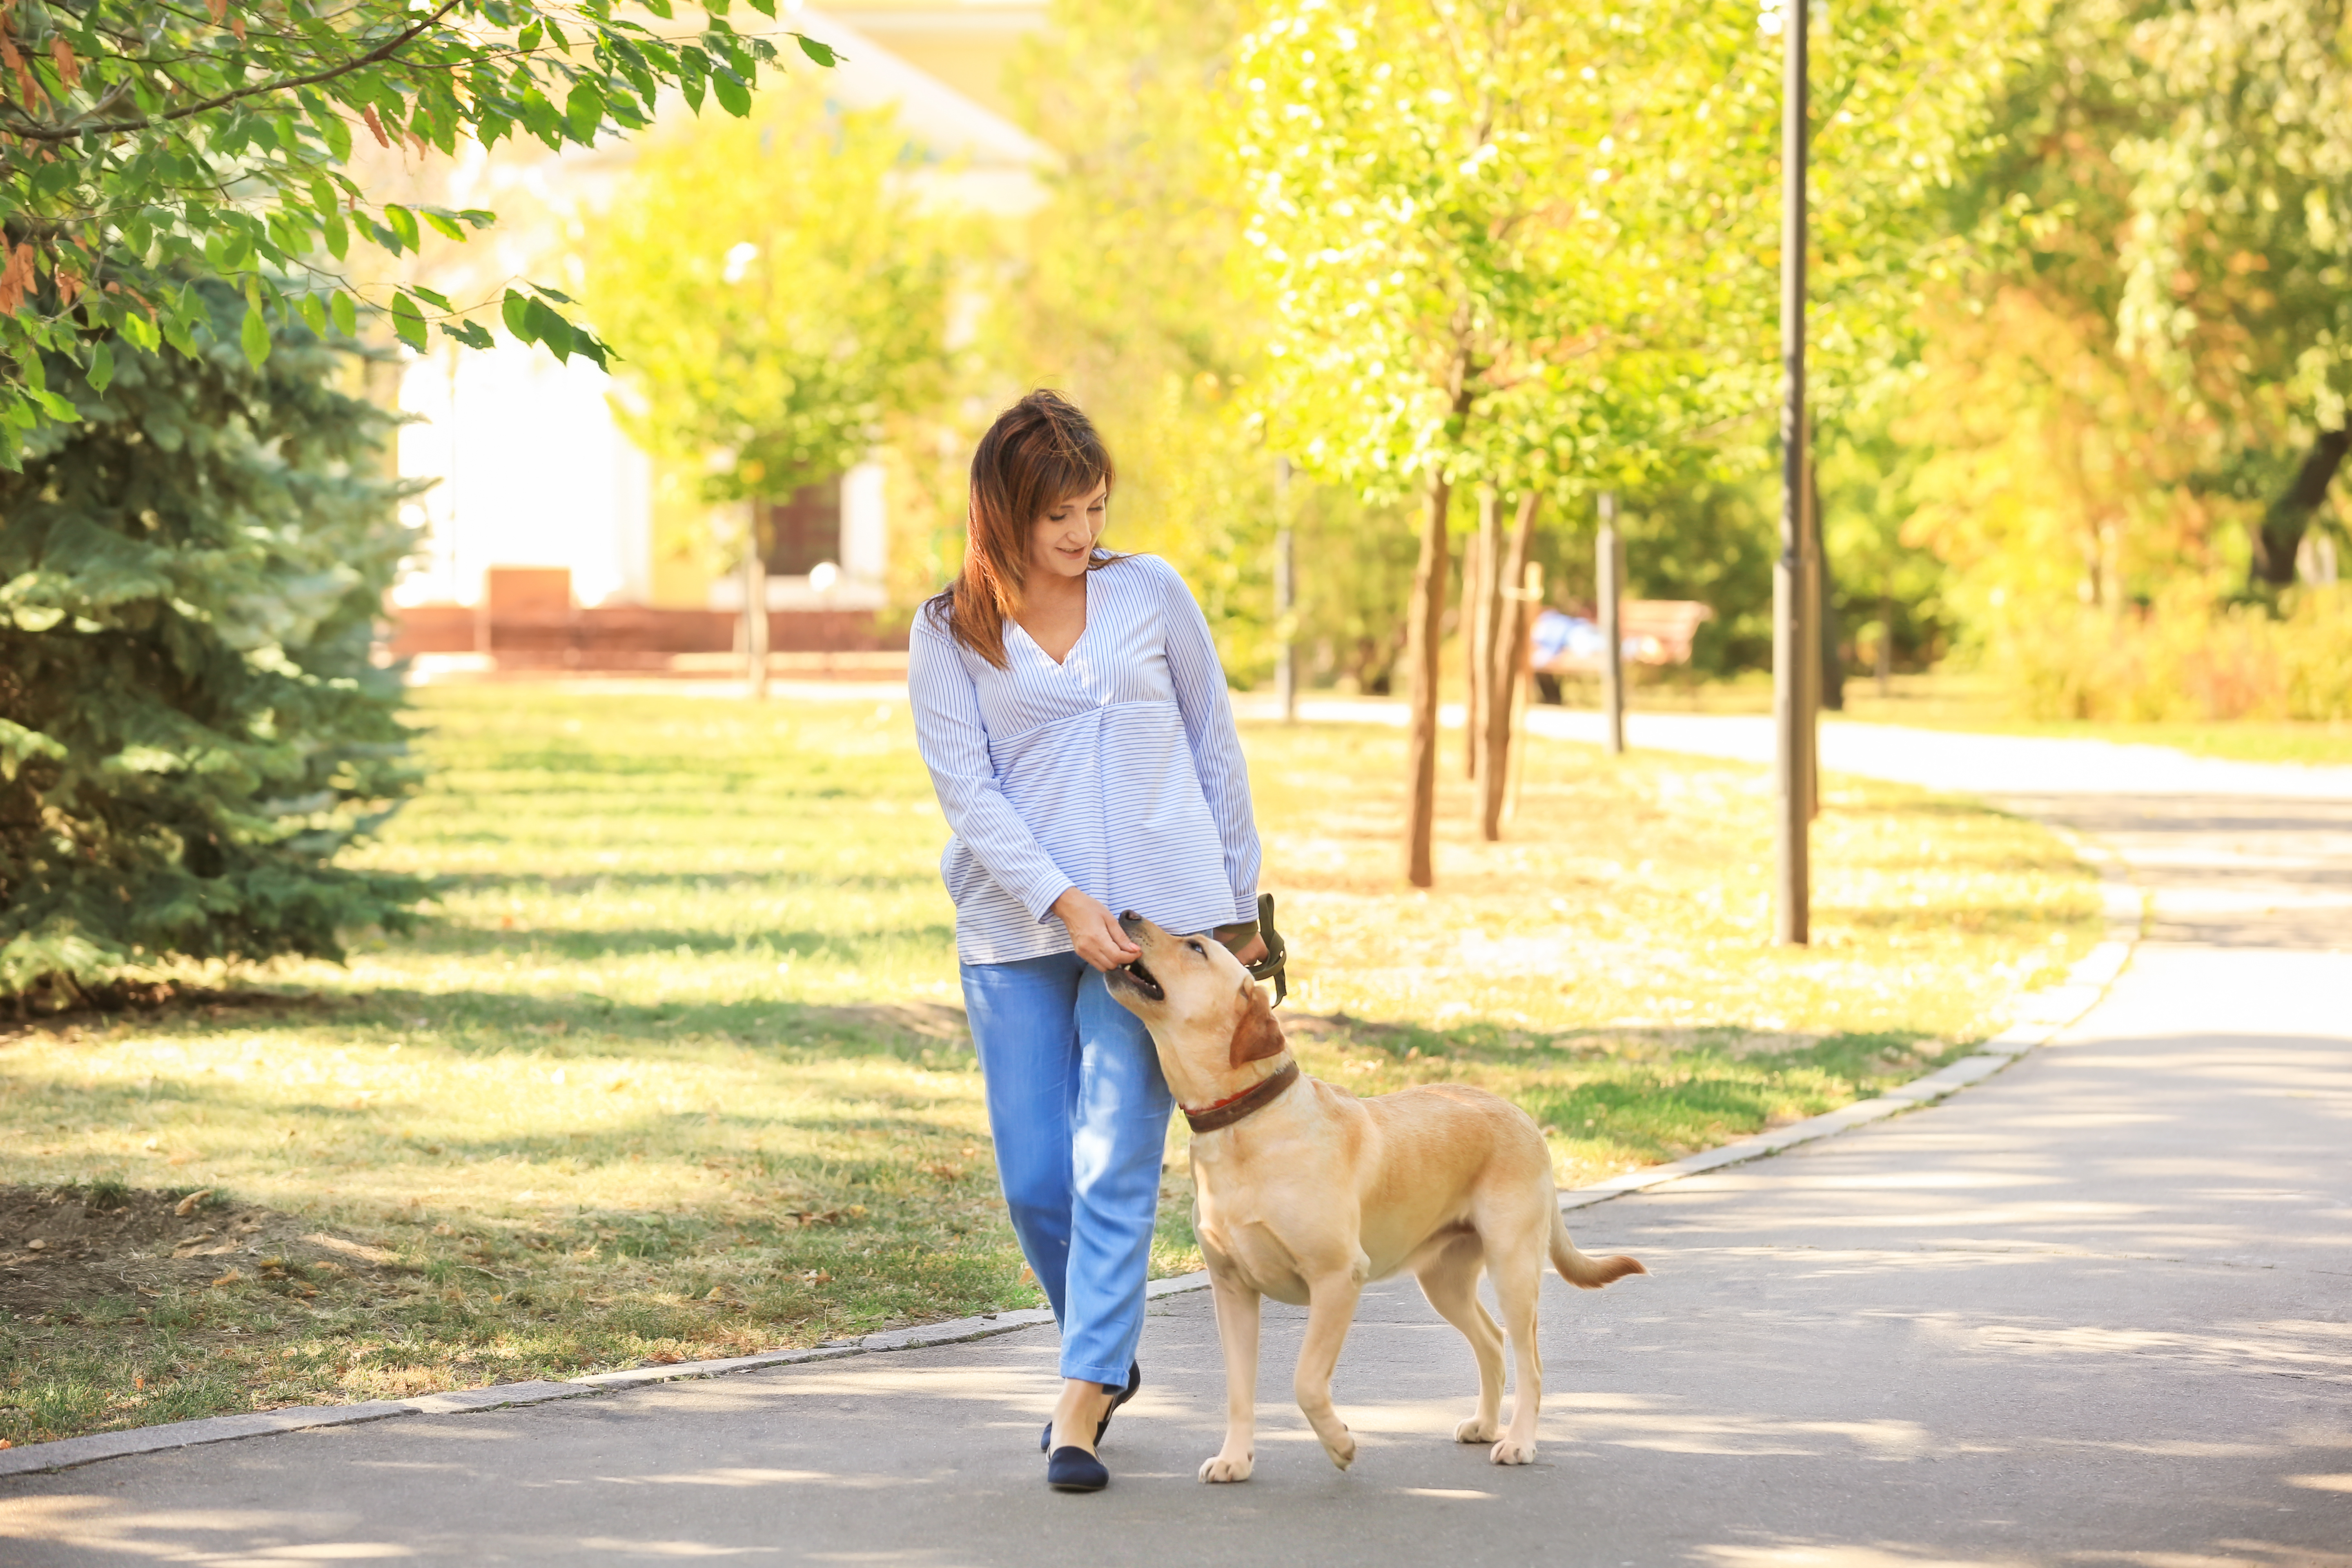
(1079, 1113)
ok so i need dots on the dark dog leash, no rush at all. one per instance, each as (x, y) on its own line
(1237, 935)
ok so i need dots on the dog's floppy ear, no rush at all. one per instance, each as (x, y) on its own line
(1256, 1034)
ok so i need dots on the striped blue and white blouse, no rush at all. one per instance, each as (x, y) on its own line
(1116, 771)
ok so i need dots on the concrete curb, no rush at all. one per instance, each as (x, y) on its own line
(2042, 1016)
(71, 1452)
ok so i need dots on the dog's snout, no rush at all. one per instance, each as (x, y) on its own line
(1130, 922)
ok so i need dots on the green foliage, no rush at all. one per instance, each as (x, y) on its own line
(777, 293)
(2134, 379)
(1441, 201)
(1538, 246)
(2240, 246)
(2187, 659)
(152, 142)
(2239, 241)
(190, 725)
(1123, 291)
(1610, 255)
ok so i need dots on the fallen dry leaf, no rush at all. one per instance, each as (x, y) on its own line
(231, 1278)
(666, 1358)
(358, 1249)
(187, 1206)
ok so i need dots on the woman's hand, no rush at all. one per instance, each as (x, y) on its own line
(1252, 950)
(1094, 932)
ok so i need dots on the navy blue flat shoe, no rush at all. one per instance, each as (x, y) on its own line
(1075, 1470)
(1134, 1382)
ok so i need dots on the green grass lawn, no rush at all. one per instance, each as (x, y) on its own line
(676, 1066)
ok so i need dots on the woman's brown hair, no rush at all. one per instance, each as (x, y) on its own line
(1041, 452)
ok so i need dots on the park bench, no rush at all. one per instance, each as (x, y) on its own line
(1652, 631)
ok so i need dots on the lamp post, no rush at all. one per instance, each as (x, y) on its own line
(1792, 633)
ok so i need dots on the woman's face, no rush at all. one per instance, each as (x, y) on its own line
(1063, 541)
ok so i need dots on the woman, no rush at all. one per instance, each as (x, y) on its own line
(1070, 707)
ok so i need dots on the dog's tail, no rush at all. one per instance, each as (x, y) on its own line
(1588, 1273)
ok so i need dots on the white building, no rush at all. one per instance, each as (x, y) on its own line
(530, 469)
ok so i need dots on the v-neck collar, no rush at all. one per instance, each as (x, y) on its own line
(1077, 642)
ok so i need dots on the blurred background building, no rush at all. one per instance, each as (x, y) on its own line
(541, 522)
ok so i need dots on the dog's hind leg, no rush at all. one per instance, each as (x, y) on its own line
(1450, 1280)
(1518, 1280)
(1237, 1318)
(1330, 1310)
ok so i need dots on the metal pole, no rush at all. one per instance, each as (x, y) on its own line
(1286, 596)
(1809, 615)
(1609, 583)
(1792, 803)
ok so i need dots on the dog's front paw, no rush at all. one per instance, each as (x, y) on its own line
(1511, 1451)
(1343, 1452)
(1477, 1429)
(1220, 1467)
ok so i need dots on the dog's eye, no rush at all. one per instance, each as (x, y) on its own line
(1196, 947)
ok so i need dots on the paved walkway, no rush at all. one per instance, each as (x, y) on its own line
(2097, 1311)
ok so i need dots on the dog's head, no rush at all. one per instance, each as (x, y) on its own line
(1196, 998)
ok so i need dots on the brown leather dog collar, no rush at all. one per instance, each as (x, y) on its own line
(1257, 1097)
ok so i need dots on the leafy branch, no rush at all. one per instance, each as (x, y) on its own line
(236, 161)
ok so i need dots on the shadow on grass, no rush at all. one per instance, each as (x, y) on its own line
(1994, 918)
(583, 1024)
(619, 883)
(1494, 1043)
(448, 938)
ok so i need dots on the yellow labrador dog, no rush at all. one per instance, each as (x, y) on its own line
(1307, 1192)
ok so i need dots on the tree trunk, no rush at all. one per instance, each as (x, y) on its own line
(2282, 525)
(1885, 644)
(1832, 628)
(1491, 583)
(754, 608)
(1506, 651)
(1424, 627)
(755, 623)
(1465, 622)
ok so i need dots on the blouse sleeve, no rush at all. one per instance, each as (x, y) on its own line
(953, 740)
(1200, 683)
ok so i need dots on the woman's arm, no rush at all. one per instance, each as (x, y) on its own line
(953, 739)
(1200, 684)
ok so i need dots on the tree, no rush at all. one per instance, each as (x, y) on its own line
(2237, 263)
(776, 293)
(151, 144)
(1469, 217)
(191, 727)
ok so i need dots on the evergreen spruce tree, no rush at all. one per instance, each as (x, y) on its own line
(191, 727)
